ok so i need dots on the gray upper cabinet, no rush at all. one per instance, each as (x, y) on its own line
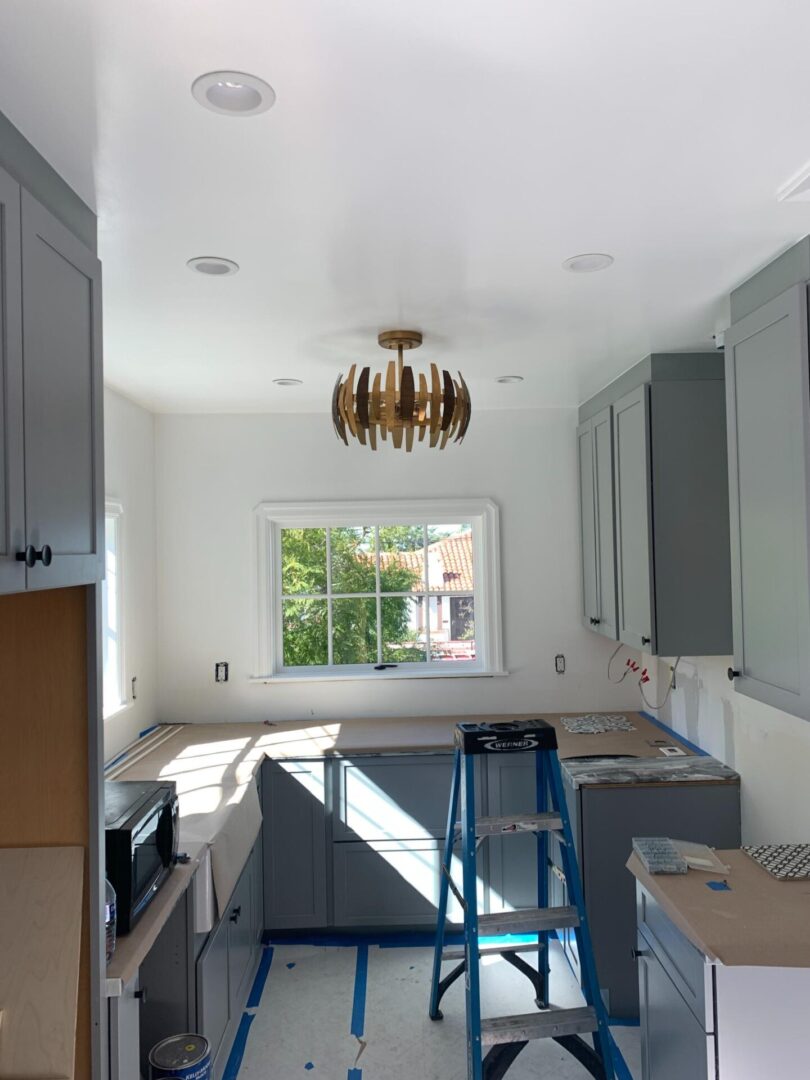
(595, 450)
(12, 499)
(62, 405)
(51, 452)
(669, 500)
(632, 485)
(769, 449)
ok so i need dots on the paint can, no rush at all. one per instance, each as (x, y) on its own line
(181, 1057)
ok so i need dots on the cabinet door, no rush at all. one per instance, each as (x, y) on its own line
(241, 938)
(12, 505)
(604, 518)
(62, 394)
(768, 411)
(294, 839)
(631, 446)
(393, 883)
(673, 1044)
(587, 525)
(213, 1007)
(394, 796)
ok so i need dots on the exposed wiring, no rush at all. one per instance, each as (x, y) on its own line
(645, 678)
(629, 666)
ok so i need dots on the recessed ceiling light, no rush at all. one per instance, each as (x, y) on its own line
(586, 264)
(213, 265)
(288, 382)
(509, 378)
(233, 93)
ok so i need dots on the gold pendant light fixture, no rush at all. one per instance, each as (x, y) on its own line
(401, 405)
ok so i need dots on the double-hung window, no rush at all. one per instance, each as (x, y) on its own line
(384, 589)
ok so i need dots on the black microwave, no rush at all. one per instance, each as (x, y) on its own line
(141, 825)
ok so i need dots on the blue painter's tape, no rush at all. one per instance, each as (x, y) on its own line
(309, 1066)
(290, 967)
(355, 1074)
(238, 1048)
(675, 734)
(360, 983)
(413, 940)
(263, 971)
(146, 730)
(718, 886)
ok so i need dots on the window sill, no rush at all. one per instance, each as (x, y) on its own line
(378, 676)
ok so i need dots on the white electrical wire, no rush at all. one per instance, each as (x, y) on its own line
(613, 656)
(669, 688)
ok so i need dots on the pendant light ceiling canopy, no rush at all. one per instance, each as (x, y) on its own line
(400, 403)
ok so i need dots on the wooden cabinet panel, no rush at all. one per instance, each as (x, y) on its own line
(12, 504)
(62, 389)
(768, 406)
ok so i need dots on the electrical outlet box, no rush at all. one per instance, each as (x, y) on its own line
(559, 664)
(221, 671)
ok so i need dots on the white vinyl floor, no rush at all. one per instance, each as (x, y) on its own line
(312, 999)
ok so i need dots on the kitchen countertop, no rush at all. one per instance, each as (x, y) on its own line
(757, 922)
(602, 772)
(131, 949)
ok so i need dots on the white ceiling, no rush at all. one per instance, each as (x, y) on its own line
(428, 164)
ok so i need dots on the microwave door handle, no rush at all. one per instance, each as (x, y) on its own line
(165, 835)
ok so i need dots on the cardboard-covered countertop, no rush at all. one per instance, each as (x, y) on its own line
(757, 922)
(213, 766)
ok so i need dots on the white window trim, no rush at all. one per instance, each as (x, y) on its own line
(271, 518)
(115, 508)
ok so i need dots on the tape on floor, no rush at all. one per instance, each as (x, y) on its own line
(263, 971)
(238, 1048)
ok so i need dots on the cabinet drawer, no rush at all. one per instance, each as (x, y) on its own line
(403, 797)
(684, 964)
(391, 883)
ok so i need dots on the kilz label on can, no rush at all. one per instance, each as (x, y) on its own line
(181, 1057)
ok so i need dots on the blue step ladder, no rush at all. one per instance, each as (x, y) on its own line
(504, 1037)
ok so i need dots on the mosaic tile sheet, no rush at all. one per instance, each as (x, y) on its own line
(659, 855)
(597, 723)
(787, 862)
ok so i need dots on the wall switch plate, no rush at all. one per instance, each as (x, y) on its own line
(221, 671)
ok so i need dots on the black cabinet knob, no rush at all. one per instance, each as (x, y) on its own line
(595, 622)
(141, 995)
(31, 556)
(237, 911)
(732, 674)
(646, 641)
(638, 953)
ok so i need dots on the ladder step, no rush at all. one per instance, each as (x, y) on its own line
(527, 921)
(550, 1023)
(524, 823)
(493, 950)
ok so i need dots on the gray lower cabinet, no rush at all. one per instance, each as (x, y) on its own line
(673, 1042)
(604, 821)
(51, 439)
(227, 963)
(295, 844)
(213, 997)
(12, 496)
(595, 448)
(769, 449)
(670, 506)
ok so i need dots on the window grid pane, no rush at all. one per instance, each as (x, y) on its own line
(432, 627)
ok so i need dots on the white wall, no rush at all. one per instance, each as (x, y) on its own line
(769, 748)
(213, 470)
(129, 448)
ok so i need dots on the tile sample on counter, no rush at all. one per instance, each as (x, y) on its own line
(41, 894)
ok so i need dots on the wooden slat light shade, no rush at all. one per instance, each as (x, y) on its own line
(401, 404)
